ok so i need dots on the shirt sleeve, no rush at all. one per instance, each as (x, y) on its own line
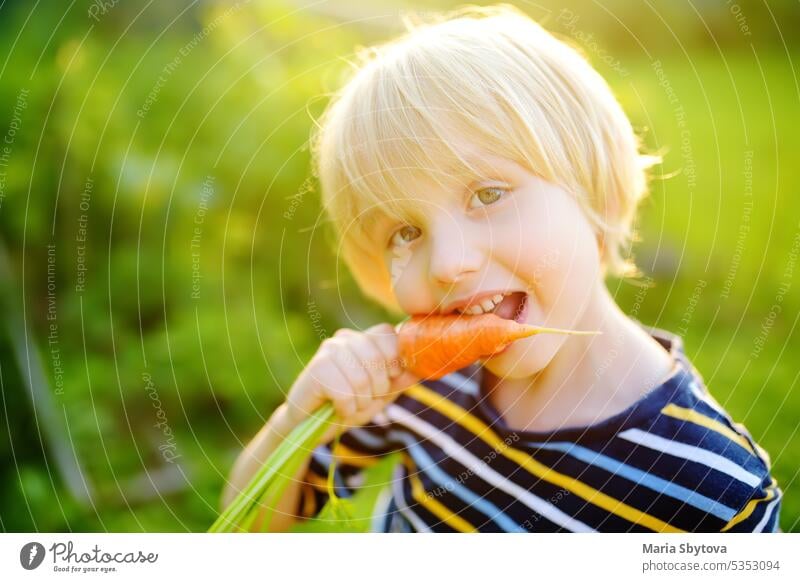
(759, 513)
(357, 449)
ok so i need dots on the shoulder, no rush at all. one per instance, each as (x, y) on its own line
(758, 511)
(691, 441)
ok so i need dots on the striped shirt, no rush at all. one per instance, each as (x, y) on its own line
(674, 461)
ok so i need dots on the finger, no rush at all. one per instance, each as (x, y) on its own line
(343, 332)
(385, 337)
(338, 391)
(335, 383)
(323, 376)
(358, 380)
(373, 360)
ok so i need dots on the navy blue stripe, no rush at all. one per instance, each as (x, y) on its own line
(468, 440)
(507, 503)
(706, 481)
(705, 438)
(432, 521)
(667, 509)
(457, 506)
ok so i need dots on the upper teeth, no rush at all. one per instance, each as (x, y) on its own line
(485, 306)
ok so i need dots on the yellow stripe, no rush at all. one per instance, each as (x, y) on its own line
(480, 429)
(347, 455)
(316, 481)
(695, 417)
(436, 508)
(750, 507)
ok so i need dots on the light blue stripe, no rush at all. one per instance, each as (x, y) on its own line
(426, 464)
(367, 439)
(649, 480)
(460, 383)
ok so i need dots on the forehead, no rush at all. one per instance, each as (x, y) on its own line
(473, 164)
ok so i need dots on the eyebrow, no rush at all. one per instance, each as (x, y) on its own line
(481, 164)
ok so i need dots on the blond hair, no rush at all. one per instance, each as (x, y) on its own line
(490, 77)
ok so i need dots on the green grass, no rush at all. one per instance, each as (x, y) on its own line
(222, 363)
(690, 238)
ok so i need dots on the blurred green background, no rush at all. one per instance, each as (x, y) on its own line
(165, 272)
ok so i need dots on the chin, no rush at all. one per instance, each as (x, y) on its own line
(525, 357)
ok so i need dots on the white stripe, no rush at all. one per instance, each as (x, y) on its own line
(380, 419)
(467, 495)
(456, 451)
(695, 389)
(767, 514)
(461, 383)
(690, 453)
(397, 489)
(355, 480)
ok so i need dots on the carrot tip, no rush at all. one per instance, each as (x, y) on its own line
(535, 329)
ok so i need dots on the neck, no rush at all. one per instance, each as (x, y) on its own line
(589, 378)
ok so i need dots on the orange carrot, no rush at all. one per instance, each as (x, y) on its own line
(432, 346)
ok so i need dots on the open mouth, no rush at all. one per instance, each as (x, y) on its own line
(513, 305)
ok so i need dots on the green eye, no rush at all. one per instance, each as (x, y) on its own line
(485, 197)
(405, 235)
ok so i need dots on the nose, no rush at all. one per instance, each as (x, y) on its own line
(453, 257)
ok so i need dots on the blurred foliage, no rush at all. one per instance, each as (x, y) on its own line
(190, 124)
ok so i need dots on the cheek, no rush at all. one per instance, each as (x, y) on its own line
(518, 243)
(555, 252)
(572, 265)
(408, 282)
(530, 249)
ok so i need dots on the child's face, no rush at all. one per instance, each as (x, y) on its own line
(514, 232)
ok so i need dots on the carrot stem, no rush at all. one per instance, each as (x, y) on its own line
(247, 502)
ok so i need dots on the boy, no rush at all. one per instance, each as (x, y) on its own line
(479, 165)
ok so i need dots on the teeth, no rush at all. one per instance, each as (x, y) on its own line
(485, 306)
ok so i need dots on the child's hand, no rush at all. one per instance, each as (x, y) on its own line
(359, 372)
